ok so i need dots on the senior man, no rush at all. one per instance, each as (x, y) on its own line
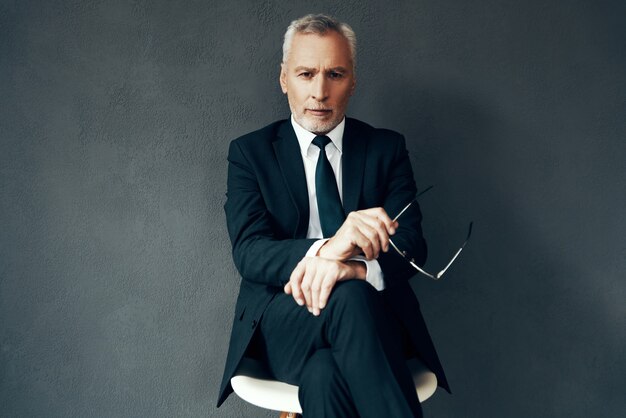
(310, 200)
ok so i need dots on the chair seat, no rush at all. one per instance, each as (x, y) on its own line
(254, 384)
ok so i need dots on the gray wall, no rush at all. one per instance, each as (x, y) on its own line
(116, 282)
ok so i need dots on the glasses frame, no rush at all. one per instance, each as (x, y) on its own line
(411, 261)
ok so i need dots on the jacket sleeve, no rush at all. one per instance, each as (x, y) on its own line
(259, 253)
(400, 190)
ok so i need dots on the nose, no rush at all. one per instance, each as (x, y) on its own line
(319, 88)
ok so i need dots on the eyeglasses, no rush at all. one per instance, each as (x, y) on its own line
(412, 261)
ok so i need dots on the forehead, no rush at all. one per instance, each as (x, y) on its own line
(312, 50)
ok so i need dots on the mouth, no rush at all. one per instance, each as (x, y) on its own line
(319, 112)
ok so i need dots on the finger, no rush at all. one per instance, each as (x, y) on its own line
(381, 214)
(380, 228)
(296, 293)
(287, 288)
(309, 275)
(294, 280)
(315, 293)
(325, 290)
(358, 234)
(369, 241)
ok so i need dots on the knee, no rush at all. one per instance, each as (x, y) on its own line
(354, 296)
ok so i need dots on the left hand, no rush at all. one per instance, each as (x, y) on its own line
(365, 231)
(313, 279)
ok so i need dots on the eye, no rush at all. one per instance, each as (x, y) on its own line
(305, 74)
(335, 75)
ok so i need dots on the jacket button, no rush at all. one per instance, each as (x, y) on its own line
(253, 323)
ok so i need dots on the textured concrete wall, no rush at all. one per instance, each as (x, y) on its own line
(116, 283)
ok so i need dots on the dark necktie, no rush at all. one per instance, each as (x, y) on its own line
(328, 200)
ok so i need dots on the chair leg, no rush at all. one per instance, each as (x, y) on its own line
(290, 415)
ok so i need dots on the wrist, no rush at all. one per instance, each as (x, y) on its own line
(359, 269)
(325, 251)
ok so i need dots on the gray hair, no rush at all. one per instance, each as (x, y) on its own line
(319, 24)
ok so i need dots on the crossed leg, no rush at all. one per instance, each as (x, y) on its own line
(349, 361)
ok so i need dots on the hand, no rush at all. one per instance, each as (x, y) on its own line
(314, 278)
(365, 231)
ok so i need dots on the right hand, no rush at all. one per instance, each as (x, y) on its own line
(365, 231)
(314, 278)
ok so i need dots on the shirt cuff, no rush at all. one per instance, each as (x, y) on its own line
(313, 249)
(374, 275)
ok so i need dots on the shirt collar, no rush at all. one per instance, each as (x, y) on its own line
(305, 137)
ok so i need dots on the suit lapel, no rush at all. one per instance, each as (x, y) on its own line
(288, 155)
(353, 155)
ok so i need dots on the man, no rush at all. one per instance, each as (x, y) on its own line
(323, 302)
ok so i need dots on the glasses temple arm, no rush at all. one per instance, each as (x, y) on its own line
(418, 268)
(469, 234)
(411, 202)
(423, 191)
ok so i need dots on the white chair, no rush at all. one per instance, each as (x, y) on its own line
(253, 383)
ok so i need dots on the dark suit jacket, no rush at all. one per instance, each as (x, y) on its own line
(267, 213)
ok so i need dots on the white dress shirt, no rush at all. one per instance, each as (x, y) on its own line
(310, 154)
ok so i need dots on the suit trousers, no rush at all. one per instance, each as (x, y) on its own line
(350, 361)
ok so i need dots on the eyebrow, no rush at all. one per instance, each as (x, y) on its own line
(313, 70)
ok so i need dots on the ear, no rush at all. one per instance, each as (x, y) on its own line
(353, 86)
(283, 78)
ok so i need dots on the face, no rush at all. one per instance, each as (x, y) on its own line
(318, 79)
